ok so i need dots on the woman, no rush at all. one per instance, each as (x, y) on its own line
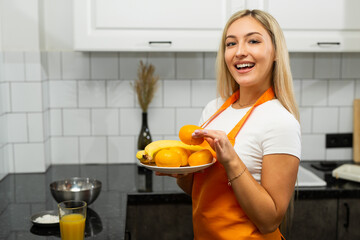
(255, 134)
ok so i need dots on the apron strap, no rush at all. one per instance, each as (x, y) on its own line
(266, 96)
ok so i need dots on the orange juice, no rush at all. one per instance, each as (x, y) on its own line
(72, 227)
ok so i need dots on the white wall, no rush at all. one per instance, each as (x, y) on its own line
(20, 25)
(3, 91)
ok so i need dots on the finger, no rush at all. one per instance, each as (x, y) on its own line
(199, 133)
(209, 134)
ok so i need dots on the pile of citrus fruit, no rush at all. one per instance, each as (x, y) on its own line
(180, 156)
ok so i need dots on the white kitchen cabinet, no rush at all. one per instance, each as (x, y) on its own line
(156, 25)
(318, 26)
(161, 25)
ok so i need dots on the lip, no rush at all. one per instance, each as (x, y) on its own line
(245, 70)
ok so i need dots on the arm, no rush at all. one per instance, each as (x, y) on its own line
(185, 183)
(265, 203)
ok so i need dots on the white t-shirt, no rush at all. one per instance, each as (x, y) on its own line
(270, 129)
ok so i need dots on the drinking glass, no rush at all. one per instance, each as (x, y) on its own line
(72, 216)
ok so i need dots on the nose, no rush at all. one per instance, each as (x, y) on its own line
(241, 50)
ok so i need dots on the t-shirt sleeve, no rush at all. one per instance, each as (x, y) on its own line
(210, 109)
(283, 137)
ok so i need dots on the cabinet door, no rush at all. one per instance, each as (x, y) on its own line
(318, 26)
(314, 219)
(157, 25)
(348, 219)
(316, 15)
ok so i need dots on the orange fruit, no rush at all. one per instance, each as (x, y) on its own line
(200, 158)
(185, 135)
(167, 158)
(184, 153)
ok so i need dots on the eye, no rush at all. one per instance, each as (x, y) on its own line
(229, 44)
(254, 41)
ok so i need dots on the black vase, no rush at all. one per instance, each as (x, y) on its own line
(144, 135)
(144, 175)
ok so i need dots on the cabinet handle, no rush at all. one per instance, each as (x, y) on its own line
(347, 208)
(160, 43)
(328, 44)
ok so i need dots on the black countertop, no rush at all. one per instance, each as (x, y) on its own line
(22, 195)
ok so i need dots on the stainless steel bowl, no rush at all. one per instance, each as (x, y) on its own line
(84, 189)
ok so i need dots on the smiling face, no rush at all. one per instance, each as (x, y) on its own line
(249, 53)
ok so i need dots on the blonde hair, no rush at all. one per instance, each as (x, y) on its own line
(282, 81)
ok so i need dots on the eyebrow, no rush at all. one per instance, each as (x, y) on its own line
(247, 35)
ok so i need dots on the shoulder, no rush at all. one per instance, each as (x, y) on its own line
(280, 131)
(275, 114)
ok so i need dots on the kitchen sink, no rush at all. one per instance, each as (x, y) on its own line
(306, 178)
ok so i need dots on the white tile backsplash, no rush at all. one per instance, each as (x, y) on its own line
(93, 150)
(105, 122)
(346, 120)
(314, 93)
(104, 65)
(26, 97)
(313, 147)
(202, 92)
(189, 65)
(325, 120)
(177, 93)
(327, 65)
(336, 154)
(33, 66)
(209, 65)
(75, 65)
(65, 150)
(357, 88)
(164, 63)
(14, 66)
(350, 67)
(17, 127)
(302, 65)
(5, 96)
(72, 107)
(121, 149)
(56, 122)
(92, 94)
(130, 121)
(186, 116)
(120, 94)
(35, 126)
(54, 65)
(161, 121)
(29, 157)
(76, 122)
(341, 92)
(129, 63)
(306, 119)
(63, 94)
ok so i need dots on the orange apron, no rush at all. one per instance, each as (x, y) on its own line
(216, 212)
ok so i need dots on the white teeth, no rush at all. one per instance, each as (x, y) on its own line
(243, 65)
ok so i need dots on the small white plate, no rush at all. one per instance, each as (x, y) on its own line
(43, 213)
(177, 170)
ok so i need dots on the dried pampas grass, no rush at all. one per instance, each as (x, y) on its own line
(146, 85)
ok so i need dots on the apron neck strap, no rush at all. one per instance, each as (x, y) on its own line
(266, 96)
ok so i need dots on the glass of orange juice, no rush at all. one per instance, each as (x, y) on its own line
(72, 216)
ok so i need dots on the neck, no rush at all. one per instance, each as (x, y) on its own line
(249, 96)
